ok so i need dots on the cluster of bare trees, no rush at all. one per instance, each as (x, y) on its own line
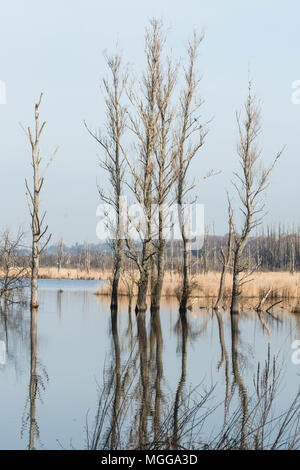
(153, 133)
(271, 248)
(13, 269)
(166, 132)
(277, 248)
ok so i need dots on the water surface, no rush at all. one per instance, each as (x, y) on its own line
(57, 362)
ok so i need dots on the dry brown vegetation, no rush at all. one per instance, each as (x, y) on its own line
(65, 273)
(284, 285)
(73, 273)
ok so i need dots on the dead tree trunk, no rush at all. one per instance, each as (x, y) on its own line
(34, 202)
(144, 126)
(226, 258)
(113, 162)
(186, 150)
(251, 183)
(163, 178)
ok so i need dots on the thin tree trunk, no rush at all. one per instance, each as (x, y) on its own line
(34, 273)
(185, 282)
(116, 275)
(33, 196)
(159, 279)
(221, 288)
(35, 225)
(141, 303)
(226, 259)
(236, 287)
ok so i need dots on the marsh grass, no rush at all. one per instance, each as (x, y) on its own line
(283, 285)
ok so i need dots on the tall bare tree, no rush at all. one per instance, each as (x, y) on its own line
(190, 138)
(144, 124)
(113, 160)
(163, 179)
(37, 229)
(250, 185)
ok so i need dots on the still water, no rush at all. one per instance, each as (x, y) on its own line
(54, 366)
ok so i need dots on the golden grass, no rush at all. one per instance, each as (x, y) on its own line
(283, 284)
(72, 273)
(65, 273)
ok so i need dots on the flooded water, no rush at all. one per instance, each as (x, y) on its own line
(55, 364)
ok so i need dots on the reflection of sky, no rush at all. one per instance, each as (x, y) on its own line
(66, 63)
(74, 343)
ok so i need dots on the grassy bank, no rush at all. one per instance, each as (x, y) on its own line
(73, 273)
(283, 285)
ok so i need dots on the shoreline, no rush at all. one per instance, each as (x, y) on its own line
(282, 285)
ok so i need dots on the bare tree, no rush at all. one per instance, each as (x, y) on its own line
(11, 272)
(113, 160)
(190, 138)
(163, 179)
(34, 201)
(144, 125)
(250, 186)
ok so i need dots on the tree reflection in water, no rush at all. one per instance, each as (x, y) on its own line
(37, 384)
(136, 410)
(139, 409)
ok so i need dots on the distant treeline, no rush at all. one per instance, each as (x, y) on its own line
(272, 249)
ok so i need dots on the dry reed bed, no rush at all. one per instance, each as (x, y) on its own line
(73, 273)
(284, 285)
(69, 273)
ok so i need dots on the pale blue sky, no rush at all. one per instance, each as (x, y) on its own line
(57, 47)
